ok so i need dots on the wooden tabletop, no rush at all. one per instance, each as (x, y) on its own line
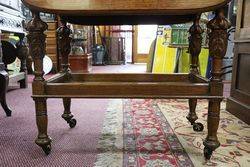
(87, 10)
(84, 7)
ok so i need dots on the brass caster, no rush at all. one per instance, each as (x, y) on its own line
(72, 123)
(198, 127)
(47, 149)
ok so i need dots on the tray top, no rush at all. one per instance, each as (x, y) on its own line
(124, 7)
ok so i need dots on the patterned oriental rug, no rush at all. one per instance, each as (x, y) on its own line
(155, 133)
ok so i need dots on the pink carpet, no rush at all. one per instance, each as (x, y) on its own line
(71, 147)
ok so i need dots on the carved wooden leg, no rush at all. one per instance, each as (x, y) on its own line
(67, 116)
(195, 41)
(218, 40)
(4, 79)
(36, 40)
(64, 41)
(43, 140)
(211, 142)
(192, 117)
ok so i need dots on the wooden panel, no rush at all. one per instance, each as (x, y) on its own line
(239, 101)
(51, 49)
(51, 34)
(141, 58)
(236, 93)
(243, 20)
(52, 26)
(246, 14)
(80, 63)
(240, 110)
(243, 75)
(51, 41)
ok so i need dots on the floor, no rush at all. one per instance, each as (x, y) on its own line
(128, 68)
(17, 133)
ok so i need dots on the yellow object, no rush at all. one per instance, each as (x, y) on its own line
(164, 57)
(184, 61)
(203, 61)
(151, 56)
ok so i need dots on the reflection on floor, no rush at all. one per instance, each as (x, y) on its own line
(128, 68)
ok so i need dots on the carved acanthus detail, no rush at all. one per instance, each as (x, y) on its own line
(218, 37)
(195, 42)
(64, 38)
(36, 40)
(218, 41)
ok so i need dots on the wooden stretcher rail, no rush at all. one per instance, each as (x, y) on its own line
(126, 97)
(127, 89)
(127, 85)
(126, 77)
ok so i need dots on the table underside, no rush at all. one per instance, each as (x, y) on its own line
(134, 19)
(129, 12)
(182, 86)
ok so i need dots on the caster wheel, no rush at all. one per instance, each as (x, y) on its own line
(198, 127)
(8, 113)
(72, 123)
(208, 153)
(47, 149)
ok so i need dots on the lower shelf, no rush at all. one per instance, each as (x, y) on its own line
(126, 86)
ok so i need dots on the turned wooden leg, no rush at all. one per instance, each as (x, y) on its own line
(4, 79)
(36, 39)
(42, 140)
(218, 40)
(192, 117)
(67, 116)
(195, 42)
(211, 142)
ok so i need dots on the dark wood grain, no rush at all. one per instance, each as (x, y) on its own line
(124, 7)
(218, 40)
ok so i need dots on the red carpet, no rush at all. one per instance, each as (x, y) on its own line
(123, 133)
(155, 133)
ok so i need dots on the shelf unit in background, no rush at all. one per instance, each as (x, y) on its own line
(51, 44)
(239, 101)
